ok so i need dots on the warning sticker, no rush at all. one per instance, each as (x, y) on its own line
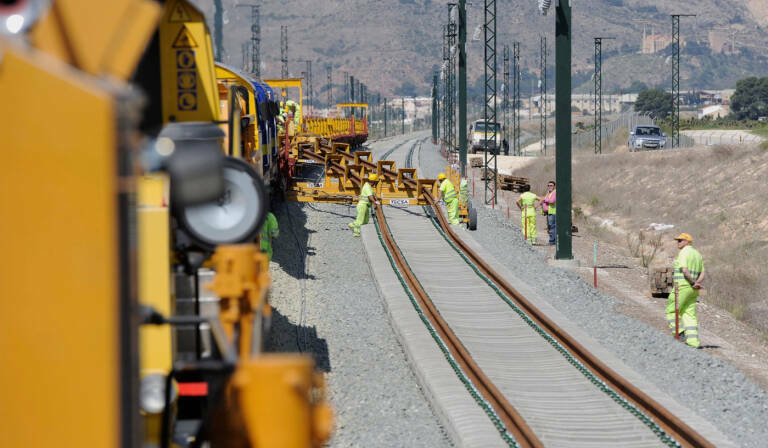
(187, 101)
(185, 59)
(184, 39)
(179, 13)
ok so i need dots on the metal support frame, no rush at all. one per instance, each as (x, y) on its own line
(329, 82)
(255, 39)
(543, 95)
(284, 51)
(385, 117)
(452, 56)
(599, 94)
(516, 98)
(218, 27)
(505, 93)
(462, 88)
(563, 27)
(676, 77)
(402, 118)
(444, 84)
(435, 109)
(310, 93)
(489, 114)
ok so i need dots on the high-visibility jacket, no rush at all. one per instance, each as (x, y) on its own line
(268, 232)
(366, 191)
(549, 200)
(528, 199)
(690, 259)
(448, 191)
(463, 192)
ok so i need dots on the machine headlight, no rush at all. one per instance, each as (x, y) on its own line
(639, 142)
(152, 393)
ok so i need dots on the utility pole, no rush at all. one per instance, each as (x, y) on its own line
(489, 115)
(451, 106)
(329, 70)
(218, 26)
(385, 117)
(676, 78)
(403, 117)
(505, 92)
(516, 97)
(346, 87)
(244, 51)
(435, 109)
(255, 40)
(462, 87)
(352, 92)
(444, 72)
(563, 27)
(283, 51)
(599, 94)
(310, 94)
(543, 95)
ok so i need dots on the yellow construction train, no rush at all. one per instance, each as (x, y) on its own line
(135, 178)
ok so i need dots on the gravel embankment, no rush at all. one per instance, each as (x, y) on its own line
(326, 304)
(709, 386)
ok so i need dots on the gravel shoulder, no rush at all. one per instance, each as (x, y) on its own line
(715, 389)
(326, 304)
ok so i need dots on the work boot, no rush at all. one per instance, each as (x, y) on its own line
(351, 225)
(356, 234)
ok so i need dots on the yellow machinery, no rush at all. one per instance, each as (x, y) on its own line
(86, 239)
(284, 85)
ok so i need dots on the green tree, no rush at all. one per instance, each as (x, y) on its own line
(637, 86)
(655, 102)
(750, 101)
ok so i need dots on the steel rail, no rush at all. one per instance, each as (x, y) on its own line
(671, 424)
(512, 420)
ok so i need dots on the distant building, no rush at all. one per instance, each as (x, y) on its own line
(722, 41)
(655, 43)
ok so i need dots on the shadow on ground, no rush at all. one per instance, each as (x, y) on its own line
(285, 336)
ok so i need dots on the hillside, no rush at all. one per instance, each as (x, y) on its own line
(393, 46)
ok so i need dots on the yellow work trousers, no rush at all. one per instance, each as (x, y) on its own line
(688, 323)
(528, 218)
(362, 217)
(452, 207)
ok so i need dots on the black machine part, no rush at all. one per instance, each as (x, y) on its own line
(236, 216)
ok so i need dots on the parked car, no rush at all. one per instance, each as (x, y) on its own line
(646, 137)
(477, 135)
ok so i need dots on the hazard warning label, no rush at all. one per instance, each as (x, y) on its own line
(179, 13)
(184, 39)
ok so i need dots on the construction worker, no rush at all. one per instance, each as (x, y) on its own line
(528, 203)
(269, 231)
(448, 194)
(364, 204)
(463, 192)
(548, 209)
(688, 277)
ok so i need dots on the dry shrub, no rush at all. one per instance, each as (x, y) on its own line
(644, 247)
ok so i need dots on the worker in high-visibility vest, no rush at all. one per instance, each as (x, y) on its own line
(688, 277)
(548, 209)
(449, 196)
(364, 204)
(269, 231)
(528, 203)
(463, 192)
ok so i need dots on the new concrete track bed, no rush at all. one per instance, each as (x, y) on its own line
(558, 401)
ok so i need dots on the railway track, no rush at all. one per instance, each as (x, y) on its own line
(590, 404)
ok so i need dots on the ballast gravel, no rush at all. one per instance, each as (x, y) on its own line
(711, 387)
(326, 304)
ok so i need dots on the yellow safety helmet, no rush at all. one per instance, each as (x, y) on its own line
(684, 236)
(373, 177)
(441, 176)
